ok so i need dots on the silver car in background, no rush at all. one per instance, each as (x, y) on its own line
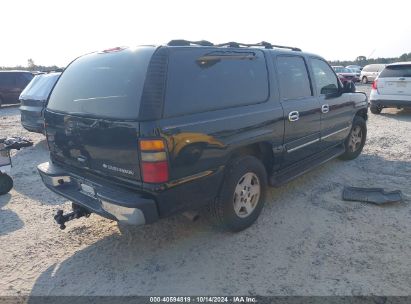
(392, 88)
(370, 72)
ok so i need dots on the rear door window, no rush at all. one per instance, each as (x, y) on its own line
(396, 71)
(207, 79)
(293, 77)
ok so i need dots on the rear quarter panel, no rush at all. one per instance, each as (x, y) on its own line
(201, 144)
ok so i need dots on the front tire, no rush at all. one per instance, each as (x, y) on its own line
(242, 195)
(364, 80)
(6, 183)
(355, 141)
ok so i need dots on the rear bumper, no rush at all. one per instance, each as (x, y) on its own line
(109, 201)
(390, 103)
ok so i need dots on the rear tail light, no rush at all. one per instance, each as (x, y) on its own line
(154, 162)
(374, 85)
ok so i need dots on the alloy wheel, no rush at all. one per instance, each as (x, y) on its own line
(355, 140)
(246, 194)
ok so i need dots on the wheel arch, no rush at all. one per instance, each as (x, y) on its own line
(261, 150)
(362, 113)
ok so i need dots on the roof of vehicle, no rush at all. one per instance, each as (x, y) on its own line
(14, 71)
(400, 63)
(376, 64)
(48, 74)
(264, 46)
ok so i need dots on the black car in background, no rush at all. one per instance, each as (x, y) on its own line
(33, 101)
(12, 83)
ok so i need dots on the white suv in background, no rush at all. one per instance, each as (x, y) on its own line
(392, 88)
(370, 72)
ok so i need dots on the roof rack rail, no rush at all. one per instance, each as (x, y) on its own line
(233, 44)
(264, 44)
(181, 42)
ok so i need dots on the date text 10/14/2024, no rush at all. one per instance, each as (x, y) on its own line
(203, 299)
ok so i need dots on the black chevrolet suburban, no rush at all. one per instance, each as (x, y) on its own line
(139, 134)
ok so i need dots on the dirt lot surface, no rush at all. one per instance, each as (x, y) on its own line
(307, 241)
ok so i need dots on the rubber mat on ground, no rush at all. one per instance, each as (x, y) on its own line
(371, 195)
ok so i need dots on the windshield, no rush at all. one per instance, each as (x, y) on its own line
(105, 84)
(39, 88)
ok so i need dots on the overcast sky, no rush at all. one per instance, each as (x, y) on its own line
(55, 32)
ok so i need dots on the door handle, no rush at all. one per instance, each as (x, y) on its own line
(293, 116)
(402, 78)
(325, 108)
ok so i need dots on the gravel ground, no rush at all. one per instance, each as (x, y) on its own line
(307, 241)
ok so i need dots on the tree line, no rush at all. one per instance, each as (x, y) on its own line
(31, 66)
(363, 61)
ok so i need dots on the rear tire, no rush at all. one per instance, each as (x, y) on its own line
(6, 183)
(355, 141)
(376, 109)
(241, 196)
(1, 102)
(364, 80)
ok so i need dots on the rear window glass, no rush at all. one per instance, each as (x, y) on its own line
(396, 71)
(106, 84)
(39, 88)
(205, 80)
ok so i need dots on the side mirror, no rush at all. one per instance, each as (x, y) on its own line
(349, 87)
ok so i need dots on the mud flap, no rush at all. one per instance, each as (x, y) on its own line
(371, 195)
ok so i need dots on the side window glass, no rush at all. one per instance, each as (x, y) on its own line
(209, 79)
(293, 77)
(21, 81)
(7, 79)
(325, 79)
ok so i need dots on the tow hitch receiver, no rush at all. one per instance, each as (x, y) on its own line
(77, 212)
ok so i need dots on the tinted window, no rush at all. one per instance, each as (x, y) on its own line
(202, 80)
(23, 79)
(107, 84)
(325, 79)
(7, 79)
(39, 88)
(293, 77)
(396, 71)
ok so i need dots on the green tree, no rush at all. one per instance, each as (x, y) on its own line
(30, 64)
